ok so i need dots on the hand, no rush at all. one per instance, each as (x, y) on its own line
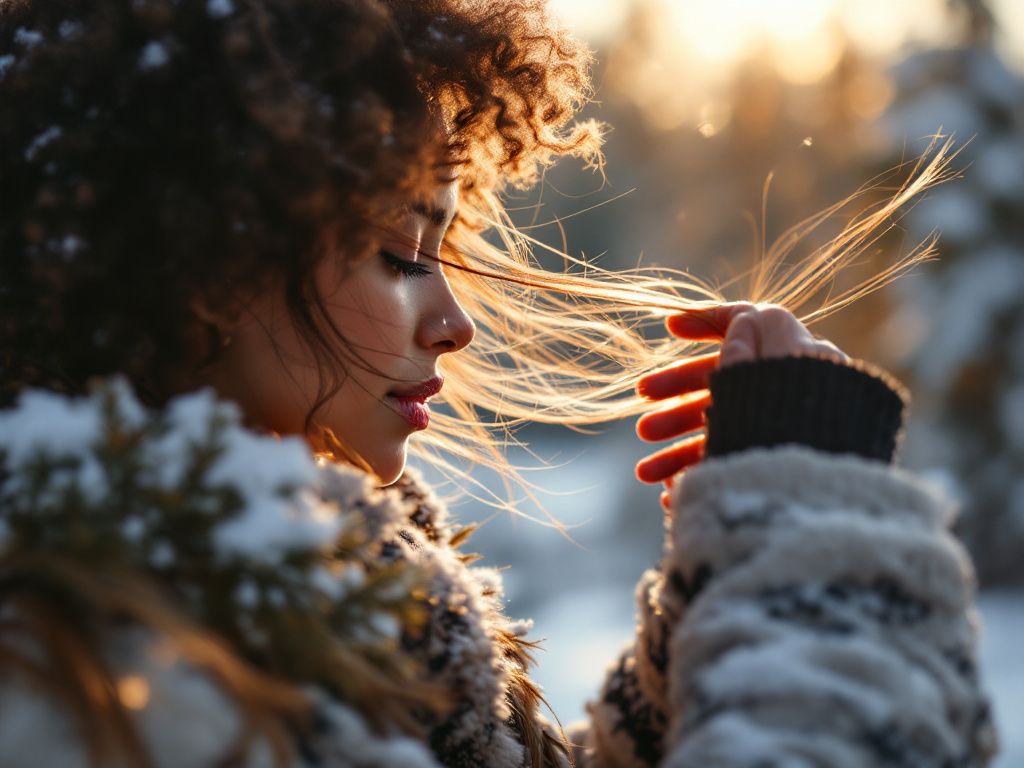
(746, 332)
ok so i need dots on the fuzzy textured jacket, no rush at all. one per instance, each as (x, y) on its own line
(810, 610)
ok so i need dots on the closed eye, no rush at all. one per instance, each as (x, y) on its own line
(403, 266)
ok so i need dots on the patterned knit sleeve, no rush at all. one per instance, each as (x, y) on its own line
(827, 620)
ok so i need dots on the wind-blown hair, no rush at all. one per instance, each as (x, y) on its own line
(156, 153)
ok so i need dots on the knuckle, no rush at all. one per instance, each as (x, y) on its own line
(739, 307)
(742, 323)
(776, 316)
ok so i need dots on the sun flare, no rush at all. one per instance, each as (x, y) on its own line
(804, 39)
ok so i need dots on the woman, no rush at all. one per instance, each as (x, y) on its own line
(240, 244)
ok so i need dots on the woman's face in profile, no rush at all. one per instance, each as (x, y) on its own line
(398, 314)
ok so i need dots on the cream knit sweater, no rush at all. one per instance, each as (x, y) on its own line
(810, 609)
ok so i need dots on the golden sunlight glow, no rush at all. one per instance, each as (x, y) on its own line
(676, 58)
(869, 93)
(811, 59)
(593, 20)
(1010, 37)
(803, 38)
(133, 691)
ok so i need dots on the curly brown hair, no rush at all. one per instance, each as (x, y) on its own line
(156, 152)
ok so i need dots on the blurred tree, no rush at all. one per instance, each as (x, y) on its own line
(701, 147)
(960, 332)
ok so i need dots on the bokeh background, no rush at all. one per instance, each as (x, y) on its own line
(706, 99)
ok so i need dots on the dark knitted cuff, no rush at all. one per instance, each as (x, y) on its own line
(834, 407)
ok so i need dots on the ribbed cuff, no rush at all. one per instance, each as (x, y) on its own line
(835, 407)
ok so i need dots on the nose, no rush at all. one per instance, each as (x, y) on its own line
(447, 327)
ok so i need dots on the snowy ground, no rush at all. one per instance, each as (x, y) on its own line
(1003, 666)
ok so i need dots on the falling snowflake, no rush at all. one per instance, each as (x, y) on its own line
(50, 134)
(218, 9)
(28, 37)
(153, 56)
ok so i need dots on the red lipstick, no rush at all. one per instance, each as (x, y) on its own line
(411, 402)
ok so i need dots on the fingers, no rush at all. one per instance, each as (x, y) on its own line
(751, 332)
(667, 462)
(679, 379)
(746, 332)
(742, 341)
(669, 423)
(707, 324)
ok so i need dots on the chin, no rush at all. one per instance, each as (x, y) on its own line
(389, 468)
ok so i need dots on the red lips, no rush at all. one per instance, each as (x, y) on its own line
(411, 402)
(421, 391)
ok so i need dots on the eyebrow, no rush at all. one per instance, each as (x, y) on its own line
(432, 213)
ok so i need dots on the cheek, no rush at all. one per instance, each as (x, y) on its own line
(375, 319)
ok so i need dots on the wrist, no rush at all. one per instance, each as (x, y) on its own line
(836, 407)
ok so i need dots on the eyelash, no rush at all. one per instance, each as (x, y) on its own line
(403, 267)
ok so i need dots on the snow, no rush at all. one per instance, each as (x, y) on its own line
(280, 512)
(277, 479)
(1002, 669)
(70, 245)
(1000, 168)
(267, 529)
(347, 740)
(189, 420)
(939, 107)
(35, 730)
(39, 142)
(992, 279)
(130, 412)
(218, 9)
(260, 464)
(915, 71)
(384, 624)
(162, 555)
(153, 56)
(1011, 409)
(28, 430)
(27, 37)
(181, 694)
(991, 79)
(133, 528)
(66, 430)
(247, 595)
(1015, 506)
(68, 29)
(956, 212)
(569, 671)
